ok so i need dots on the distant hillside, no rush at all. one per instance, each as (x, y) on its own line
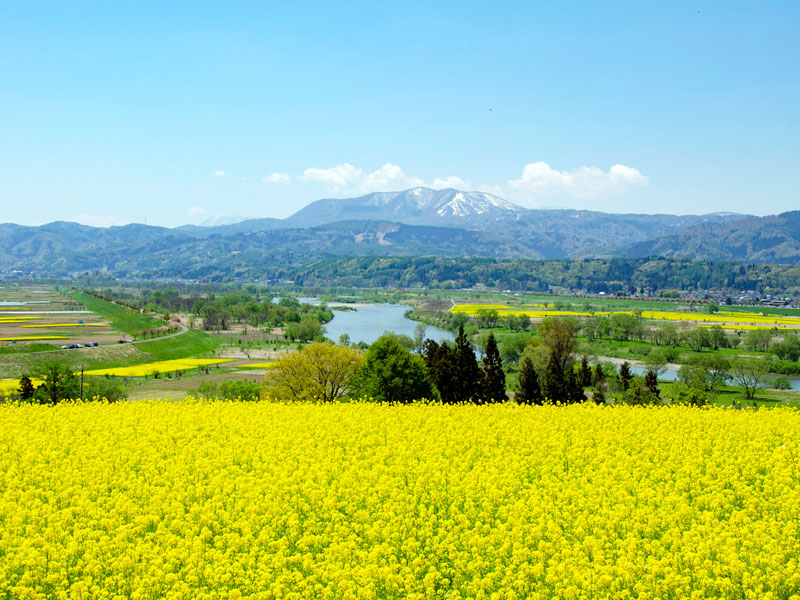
(544, 233)
(470, 225)
(773, 239)
(142, 251)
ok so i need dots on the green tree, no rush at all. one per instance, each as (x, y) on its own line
(440, 362)
(419, 337)
(467, 372)
(493, 376)
(749, 374)
(717, 337)
(625, 376)
(306, 330)
(104, 388)
(390, 373)
(320, 371)
(651, 382)
(26, 389)
(698, 339)
(758, 339)
(58, 383)
(717, 368)
(599, 377)
(559, 381)
(511, 322)
(528, 389)
(239, 389)
(694, 376)
(513, 346)
(586, 372)
(656, 361)
(488, 317)
(788, 348)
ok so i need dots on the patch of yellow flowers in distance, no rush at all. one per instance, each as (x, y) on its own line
(32, 337)
(661, 315)
(14, 318)
(162, 366)
(222, 500)
(11, 386)
(67, 325)
(259, 365)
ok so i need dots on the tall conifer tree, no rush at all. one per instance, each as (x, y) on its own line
(528, 389)
(468, 374)
(441, 365)
(494, 379)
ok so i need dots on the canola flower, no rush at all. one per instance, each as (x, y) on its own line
(656, 315)
(742, 327)
(265, 500)
(162, 366)
(33, 337)
(259, 365)
(11, 386)
(67, 325)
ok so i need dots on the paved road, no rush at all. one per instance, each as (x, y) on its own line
(183, 330)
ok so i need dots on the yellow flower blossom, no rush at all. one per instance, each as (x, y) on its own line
(221, 500)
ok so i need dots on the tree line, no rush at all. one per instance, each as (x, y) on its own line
(54, 382)
(451, 373)
(249, 305)
(611, 276)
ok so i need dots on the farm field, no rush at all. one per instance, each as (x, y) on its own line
(267, 500)
(40, 335)
(730, 319)
(39, 314)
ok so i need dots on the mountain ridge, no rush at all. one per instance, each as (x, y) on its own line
(468, 224)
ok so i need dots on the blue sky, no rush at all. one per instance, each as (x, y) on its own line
(178, 112)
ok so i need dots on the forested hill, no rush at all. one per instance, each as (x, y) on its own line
(592, 276)
(472, 225)
(773, 239)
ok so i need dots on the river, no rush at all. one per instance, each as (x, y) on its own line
(369, 321)
(670, 375)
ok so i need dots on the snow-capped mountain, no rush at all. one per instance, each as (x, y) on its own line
(417, 206)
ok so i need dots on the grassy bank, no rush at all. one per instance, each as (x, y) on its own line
(191, 343)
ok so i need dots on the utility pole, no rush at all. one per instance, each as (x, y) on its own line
(81, 383)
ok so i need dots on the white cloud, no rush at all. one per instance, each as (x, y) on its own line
(276, 177)
(452, 181)
(539, 178)
(338, 177)
(347, 178)
(195, 211)
(218, 174)
(95, 220)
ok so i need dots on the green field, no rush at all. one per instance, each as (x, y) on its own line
(26, 358)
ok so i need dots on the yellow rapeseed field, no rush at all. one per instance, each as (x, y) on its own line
(15, 317)
(67, 325)
(656, 315)
(161, 366)
(32, 337)
(262, 500)
(11, 386)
